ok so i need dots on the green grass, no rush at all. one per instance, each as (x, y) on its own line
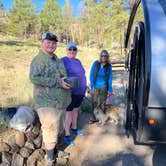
(15, 59)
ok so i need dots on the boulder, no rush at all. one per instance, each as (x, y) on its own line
(6, 158)
(29, 145)
(30, 136)
(37, 128)
(4, 147)
(37, 155)
(20, 138)
(38, 142)
(25, 152)
(14, 148)
(17, 160)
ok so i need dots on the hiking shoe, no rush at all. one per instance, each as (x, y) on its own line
(68, 141)
(77, 132)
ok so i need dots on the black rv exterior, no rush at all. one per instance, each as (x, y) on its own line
(145, 48)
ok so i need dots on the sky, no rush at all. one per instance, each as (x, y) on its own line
(76, 4)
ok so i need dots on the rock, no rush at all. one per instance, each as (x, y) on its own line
(32, 163)
(11, 140)
(6, 159)
(4, 147)
(37, 155)
(34, 131)
(41, 163)
(37, 128)
(63, 158)
(17, 160)
(17, 138)
(63, 154)
(25, 152)
(14, 148)
(30, 136)
(38, 142)
(20, 138)
(24, 149)
(43, 145)
(29, 145)
(62, 161)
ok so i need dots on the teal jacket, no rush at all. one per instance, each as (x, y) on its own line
(98, 80)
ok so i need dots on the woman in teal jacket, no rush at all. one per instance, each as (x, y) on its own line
(101, 80)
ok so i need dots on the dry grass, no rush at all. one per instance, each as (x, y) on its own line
(15, 59)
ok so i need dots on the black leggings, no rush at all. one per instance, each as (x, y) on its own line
(75, 102)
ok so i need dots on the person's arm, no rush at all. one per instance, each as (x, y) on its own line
(91, 76)
(84, 72)
(37, 76)
(62, 68)
(110, 81)
(81, 65)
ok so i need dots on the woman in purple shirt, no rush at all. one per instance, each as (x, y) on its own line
(74, 69)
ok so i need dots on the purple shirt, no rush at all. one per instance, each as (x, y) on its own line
(74, 68)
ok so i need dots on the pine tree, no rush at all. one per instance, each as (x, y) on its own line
(1, 10)
(1, 6)
(21, 18)
(51, 17)
(104, 22)
(3, 19)
(68, 22)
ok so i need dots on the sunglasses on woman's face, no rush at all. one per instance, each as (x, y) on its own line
(104, 55)
(72, 49)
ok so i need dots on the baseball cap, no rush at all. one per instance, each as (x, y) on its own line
(71, 44)
(49, 36)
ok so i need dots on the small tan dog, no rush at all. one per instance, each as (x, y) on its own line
(100, 115)
(113, 114)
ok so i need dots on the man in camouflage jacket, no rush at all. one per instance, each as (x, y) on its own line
(51, 93)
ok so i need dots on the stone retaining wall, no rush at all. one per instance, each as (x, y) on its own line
(22, 149)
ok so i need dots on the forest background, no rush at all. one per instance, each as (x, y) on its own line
(100, 24)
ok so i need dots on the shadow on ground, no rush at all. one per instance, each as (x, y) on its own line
(159, 156)
(121, 159)
(17, 43)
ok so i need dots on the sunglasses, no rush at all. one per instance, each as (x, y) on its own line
(72, 49)
(104, 55)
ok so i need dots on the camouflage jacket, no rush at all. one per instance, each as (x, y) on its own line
(46, 74)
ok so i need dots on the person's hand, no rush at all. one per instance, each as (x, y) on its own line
(111, 94)
(65, 85)
(92, 91)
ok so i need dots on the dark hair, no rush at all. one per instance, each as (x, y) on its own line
(105, 52)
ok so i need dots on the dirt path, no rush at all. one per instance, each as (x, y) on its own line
(108, 145)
